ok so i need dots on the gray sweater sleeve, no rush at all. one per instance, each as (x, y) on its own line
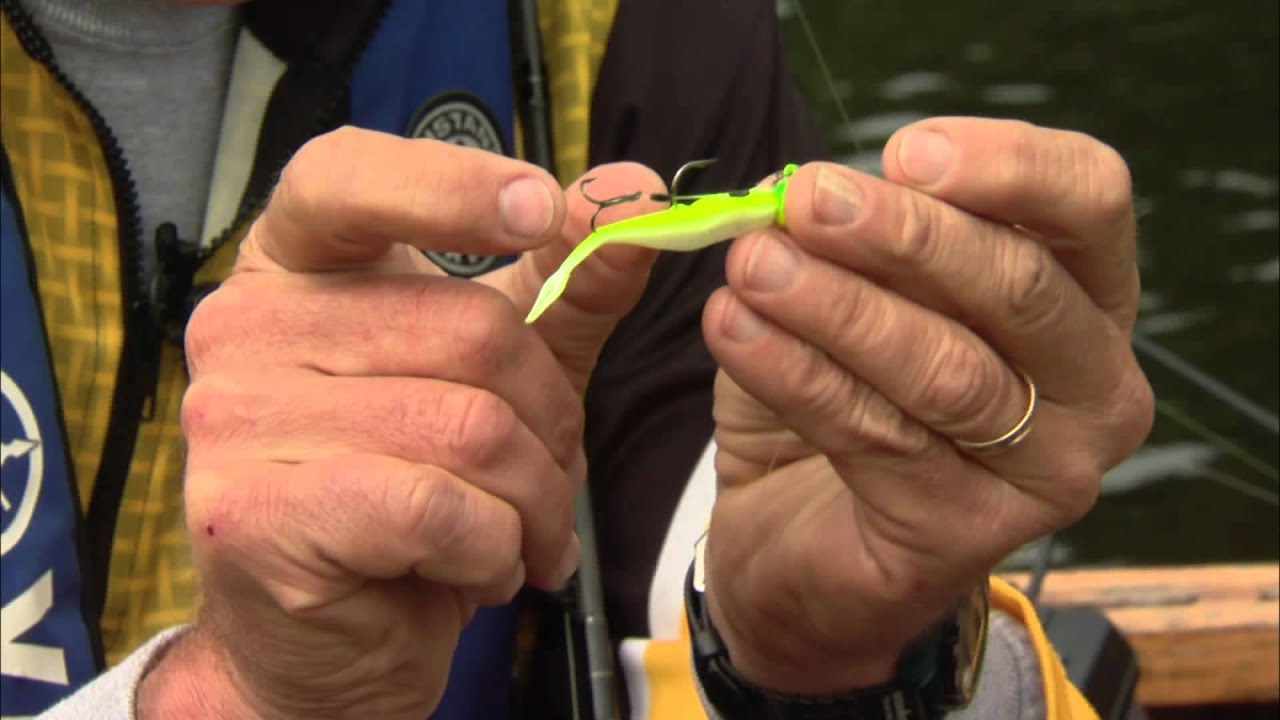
(1010, 686)
(111, 695)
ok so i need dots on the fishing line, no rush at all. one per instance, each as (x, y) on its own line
(777, 449)
(823, 69)
(1220, 442)
(1209, 384)
(1243, 487)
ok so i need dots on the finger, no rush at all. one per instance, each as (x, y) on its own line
(937, 371)
(751, 440)
(932, 368)
(604, 287)
(288, 416)
(390, 326)
(347, 197)
(891, 460)
(318, 531)
(1003, 285)
(1070, 190)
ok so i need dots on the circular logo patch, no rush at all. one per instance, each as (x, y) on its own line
(21, 464)
(462, 119)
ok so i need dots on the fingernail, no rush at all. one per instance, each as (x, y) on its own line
(771, 266)
(925, 155)
(836, 199)
(740, 323)
(526, 207)
(568, 561)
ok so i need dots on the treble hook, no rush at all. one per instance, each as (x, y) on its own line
(674, 195)
(608, 202)
(784, 172)
(671, 197)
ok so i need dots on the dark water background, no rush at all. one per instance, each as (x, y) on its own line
(1187, 92)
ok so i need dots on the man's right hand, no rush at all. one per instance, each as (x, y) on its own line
(375, 449)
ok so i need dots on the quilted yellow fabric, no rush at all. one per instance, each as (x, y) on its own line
(65, 192)
(64, 189)
(574, 34)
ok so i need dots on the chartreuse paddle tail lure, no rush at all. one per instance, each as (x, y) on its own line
(691, 223)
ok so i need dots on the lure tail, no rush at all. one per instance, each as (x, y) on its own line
(554, 286)
(692, 222)
(551, 290)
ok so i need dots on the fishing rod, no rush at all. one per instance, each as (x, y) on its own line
(587, 604)
(1220, 391)
(533, 106)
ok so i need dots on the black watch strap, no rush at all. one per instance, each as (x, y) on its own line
(736, 698)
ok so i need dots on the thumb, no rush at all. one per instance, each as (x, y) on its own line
(604, 287)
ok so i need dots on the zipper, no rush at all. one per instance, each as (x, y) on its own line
(147, 319)
(134, 396)
(322, 121)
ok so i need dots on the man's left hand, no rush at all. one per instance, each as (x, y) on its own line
(892, 319)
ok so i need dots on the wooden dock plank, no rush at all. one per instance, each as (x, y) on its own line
(1203, 634)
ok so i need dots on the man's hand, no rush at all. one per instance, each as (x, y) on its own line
(893, 318)
(376, 449)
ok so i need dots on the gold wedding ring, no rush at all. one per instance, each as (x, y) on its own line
(1015, 434)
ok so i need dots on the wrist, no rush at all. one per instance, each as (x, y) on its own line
(769, 675)
(192, 678)
(774, 661)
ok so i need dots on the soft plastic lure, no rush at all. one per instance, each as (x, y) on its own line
(691, 223)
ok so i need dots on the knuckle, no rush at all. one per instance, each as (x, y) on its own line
(240, 494)
(1032, 290)
(1023, 162)
(437, 510)
(1142, 406)
(198, 413)
(1076, 487)
(566, 436)
(1110, 183)
(867, 320)
(1131, 415)
(481, 328)
(546, 518)
(297, 189)
(1075, 166)
(211, 322)
(480, 426)
(914, 244)
(319, 179)
(447, 518)
(957, 382)
(877, 424)
(859, 417)
(209, 407)
(813, 381)
(201, 500)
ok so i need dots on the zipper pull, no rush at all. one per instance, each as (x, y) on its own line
(165, 310)
(176, 263)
